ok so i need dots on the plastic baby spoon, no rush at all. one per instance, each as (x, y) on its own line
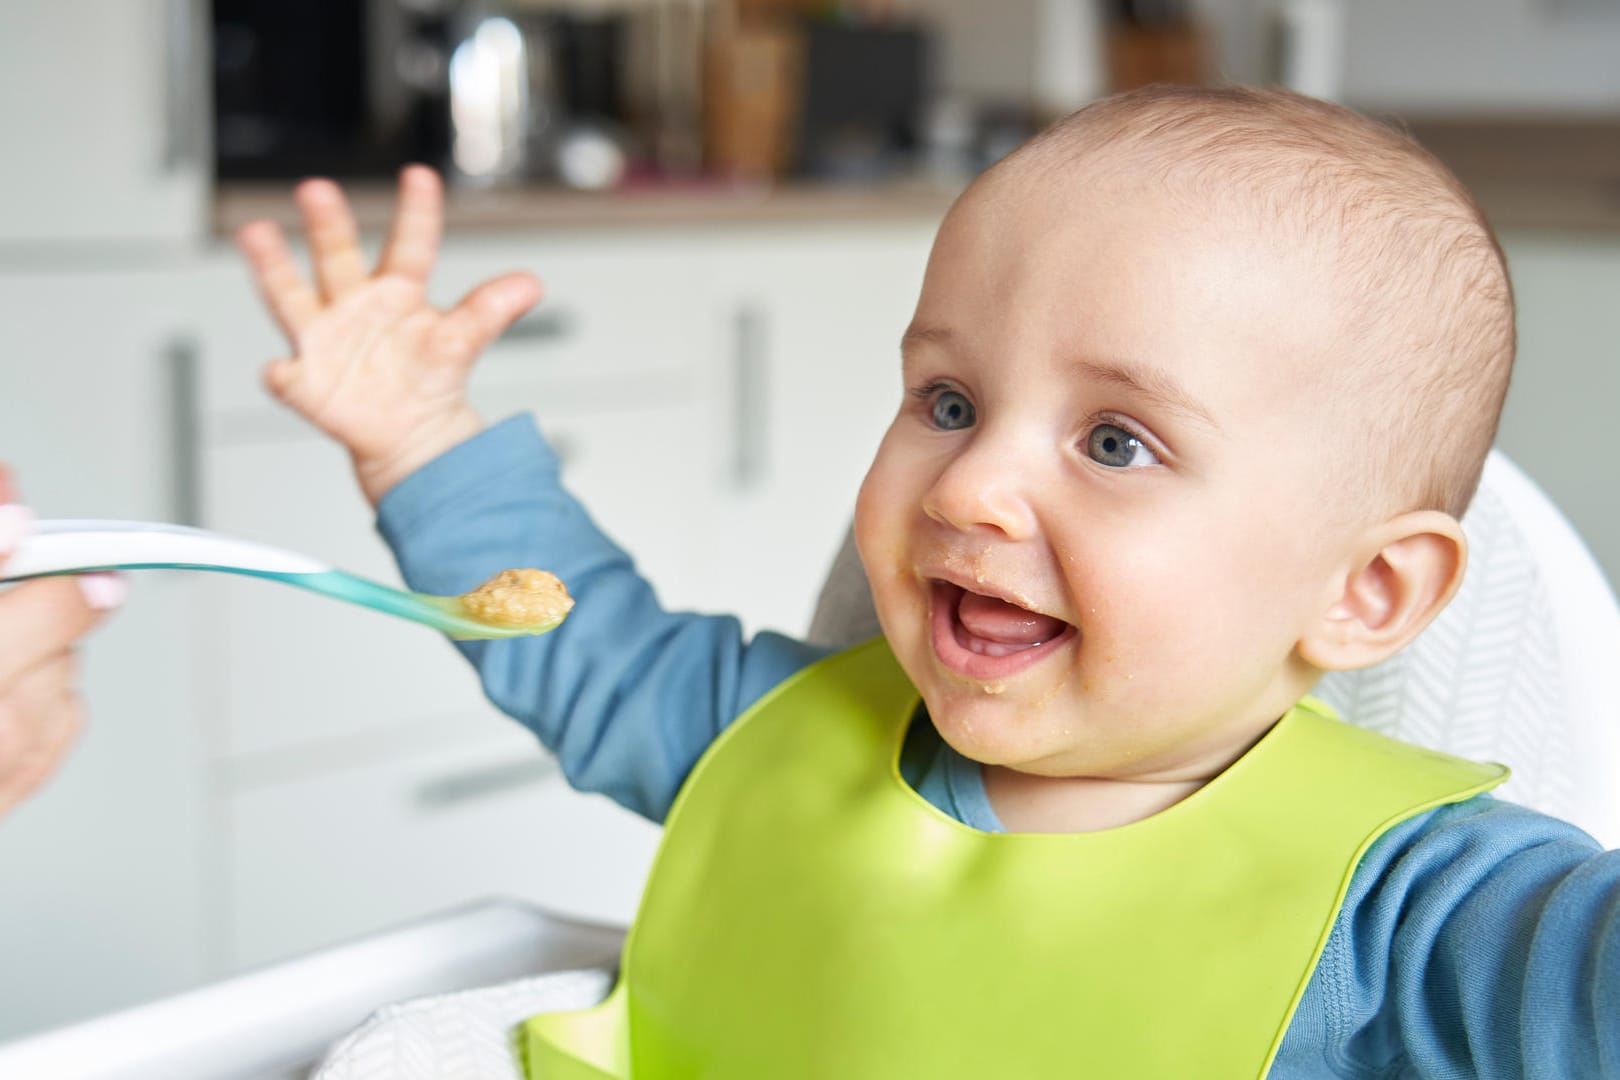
(68, 547)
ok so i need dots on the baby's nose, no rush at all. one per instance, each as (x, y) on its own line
(981, 490)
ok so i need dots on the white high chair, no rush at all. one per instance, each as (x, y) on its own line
(1518, 669)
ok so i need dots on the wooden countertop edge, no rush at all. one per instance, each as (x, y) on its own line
(1582, 205)
(1529, 172)
(553, 210)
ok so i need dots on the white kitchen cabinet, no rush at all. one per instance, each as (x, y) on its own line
(286, 667)
(617, 312)
(813, 381)
(336, 853)
(104, 126)
(101, 891)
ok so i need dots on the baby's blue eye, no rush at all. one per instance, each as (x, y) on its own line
(1112, 445)
(953, 411)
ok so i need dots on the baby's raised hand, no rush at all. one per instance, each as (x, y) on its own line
(375, 365)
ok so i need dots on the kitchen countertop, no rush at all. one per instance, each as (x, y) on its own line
(551, 209)
(1533, 172)
(1527, 172)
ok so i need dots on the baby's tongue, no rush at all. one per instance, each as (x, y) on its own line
(1004, 623)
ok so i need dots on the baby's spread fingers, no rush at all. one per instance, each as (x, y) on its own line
(291, 301)
(485, 312)
(334, 240)
(413, 242)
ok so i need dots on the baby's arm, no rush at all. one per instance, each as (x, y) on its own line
(627, 694)
(1483, 940)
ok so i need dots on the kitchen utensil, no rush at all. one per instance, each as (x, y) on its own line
(67, 547)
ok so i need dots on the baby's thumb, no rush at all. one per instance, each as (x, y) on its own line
(279, 376)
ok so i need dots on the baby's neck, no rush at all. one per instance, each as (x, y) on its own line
(1027, 803)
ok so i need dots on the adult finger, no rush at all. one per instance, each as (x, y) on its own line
(16, 522)
(43, 617)
(334, 239)
(484, 313)
(413, 240)
(39, 721)
(291, 301)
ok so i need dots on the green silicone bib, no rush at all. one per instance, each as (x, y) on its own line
(809, 916)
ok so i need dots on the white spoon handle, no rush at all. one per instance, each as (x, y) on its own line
(56, 547)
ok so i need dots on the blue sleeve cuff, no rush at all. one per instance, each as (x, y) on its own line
(468, 476)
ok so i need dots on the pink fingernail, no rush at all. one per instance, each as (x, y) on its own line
(15, 523)
(103, 591)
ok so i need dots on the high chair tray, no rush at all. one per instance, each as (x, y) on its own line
(278, 1021)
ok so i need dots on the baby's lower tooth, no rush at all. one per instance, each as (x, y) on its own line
(993, 648)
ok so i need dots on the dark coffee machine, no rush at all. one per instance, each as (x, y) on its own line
(487, 92)
(345, 88)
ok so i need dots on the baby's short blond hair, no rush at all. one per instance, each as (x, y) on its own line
(1426, 303)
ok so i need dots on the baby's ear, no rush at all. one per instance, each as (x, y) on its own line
(1408, 569)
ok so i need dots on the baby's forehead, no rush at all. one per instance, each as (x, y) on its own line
(1235, 193)
(1240, 308)
(1364, 216)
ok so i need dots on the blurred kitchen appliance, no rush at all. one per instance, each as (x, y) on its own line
(1155, 41)
(486, 90)
(790, 91)
(349, 88)
(864, 97)
(1004, 71)
(752, 84)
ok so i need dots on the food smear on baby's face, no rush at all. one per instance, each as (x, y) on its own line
(525, 597)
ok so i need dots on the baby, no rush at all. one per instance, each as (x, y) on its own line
(1197, 388)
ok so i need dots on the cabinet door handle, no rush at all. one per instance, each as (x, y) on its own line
(485, 781)
(750, 398)
(550, 324)
(185, 431)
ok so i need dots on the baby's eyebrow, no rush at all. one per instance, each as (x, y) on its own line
(925, 335)
(1150, 383)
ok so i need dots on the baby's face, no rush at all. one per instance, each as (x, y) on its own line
(1091, 530)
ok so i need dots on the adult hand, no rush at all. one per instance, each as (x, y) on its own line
(40, 623)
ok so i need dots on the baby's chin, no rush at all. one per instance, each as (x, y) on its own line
(1003, 734)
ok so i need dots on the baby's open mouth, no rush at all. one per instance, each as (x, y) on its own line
(987, 637)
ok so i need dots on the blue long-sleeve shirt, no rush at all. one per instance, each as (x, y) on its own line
(1478, 940)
